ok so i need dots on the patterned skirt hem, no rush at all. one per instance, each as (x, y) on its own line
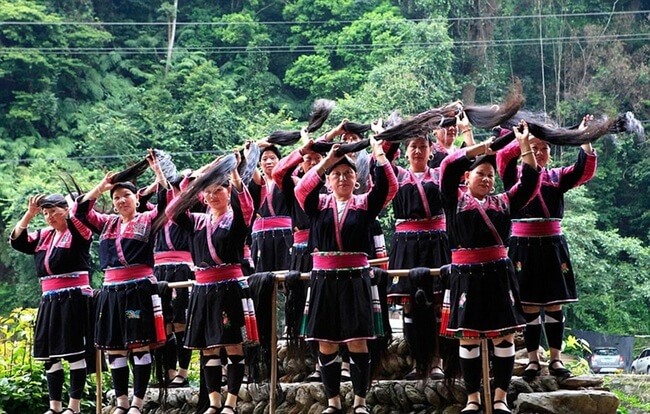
(463, 333)
(341, 341)
(553, 303)
(46, 358)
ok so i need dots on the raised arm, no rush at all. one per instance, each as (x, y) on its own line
(522, 192)
(507, 164)
(386, 185)
(32, 211)
(308, 189)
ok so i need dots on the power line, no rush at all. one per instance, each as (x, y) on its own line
(324, 47)
(105, 157)
(328, 22)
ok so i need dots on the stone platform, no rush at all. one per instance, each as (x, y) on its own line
(584, 395)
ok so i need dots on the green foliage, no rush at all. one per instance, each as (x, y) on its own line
(630, 403)
(579, 350)
(22, 387)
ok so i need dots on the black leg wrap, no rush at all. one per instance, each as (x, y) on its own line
(212, 370)
(554, 326)
(169, 352)
(330, 370)
(120, 377)
(54, 380)
(184, 354)
(502, 371)
(471, 369)
(360, 372)
(141, 373)
(235, 373)
(78, 373)
(533, 331)
(77, 383)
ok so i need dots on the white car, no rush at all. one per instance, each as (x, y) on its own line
(641, 365)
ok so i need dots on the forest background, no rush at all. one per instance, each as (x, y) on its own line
(87, 86)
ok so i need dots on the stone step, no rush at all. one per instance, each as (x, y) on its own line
(584, 394)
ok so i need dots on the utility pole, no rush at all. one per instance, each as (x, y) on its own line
(171, 35)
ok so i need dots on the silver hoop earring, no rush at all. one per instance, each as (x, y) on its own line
(430, 156)
(357, 185)
(492, 190)
(115, 209)
(137, 204)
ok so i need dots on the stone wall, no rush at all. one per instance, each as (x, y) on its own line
(586, 395)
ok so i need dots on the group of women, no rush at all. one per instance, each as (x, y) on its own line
(499, 252)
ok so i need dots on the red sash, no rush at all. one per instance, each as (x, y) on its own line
(333, 261)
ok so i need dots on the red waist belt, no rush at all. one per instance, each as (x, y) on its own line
(65, 281)
(218, 274)
(333, 261)
(301, 236)
(536, 228)
(432, 224)
(171, 257)
(271, 223)
(480, 255)
(124, 274)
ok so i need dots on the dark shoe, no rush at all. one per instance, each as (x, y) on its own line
(533, 369)
(437, 374)
(476, 410)
(212, 410)
(558, 372)
(174, 383)
(314, 377)
(345, 375)
(136, 407)
(226, 409)
(361, 409)
(122, 410)
(501, 410)
(70, 410)
(51, 411)
(412, 376)
(332, 410)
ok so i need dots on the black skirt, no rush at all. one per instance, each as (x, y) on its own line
(301, 259)
(416, 249)
(270, 249)
(215, 315)
(543, 270)
(64, 324)
(483, 300)
(124, 315)
(180, 296)
(340, 306)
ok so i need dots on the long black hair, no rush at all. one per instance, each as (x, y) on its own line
(482, 116)
(218, 174)
(321, 110)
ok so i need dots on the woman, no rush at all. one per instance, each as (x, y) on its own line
(420, 239)
(339, 308)
(272, 234)
(483, 299)
(286, 174)
(215, 314)
(125, 323)
(445, 138)
(172, 263)
(64, 320)
(539, 250)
